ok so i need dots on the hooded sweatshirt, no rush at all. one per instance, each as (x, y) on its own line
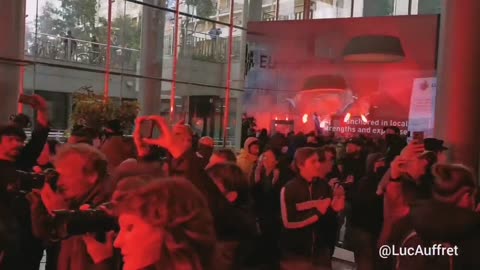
(245, 160)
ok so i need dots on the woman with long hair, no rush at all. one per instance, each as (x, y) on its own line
(165, 224)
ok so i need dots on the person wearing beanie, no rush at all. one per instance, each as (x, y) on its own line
(448, 218)
(15, 155)
(248, 156)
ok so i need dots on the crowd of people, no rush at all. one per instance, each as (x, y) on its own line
(173, 202)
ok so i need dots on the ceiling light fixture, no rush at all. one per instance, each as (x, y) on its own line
(374, 49)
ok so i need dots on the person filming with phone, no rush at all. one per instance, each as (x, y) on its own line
(177, 141)
(15, 155)
(410, 180)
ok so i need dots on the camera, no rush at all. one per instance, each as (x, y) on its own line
(26, 181)
(69, 223)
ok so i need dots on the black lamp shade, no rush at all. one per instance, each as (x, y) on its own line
(374, 48)
(333, 82)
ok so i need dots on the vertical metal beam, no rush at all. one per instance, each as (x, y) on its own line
(409, 7)
(173, 92)
(226, 113)
(21, 88)
(306, 9)
(106, 90)
(277, 10)
(352, 9)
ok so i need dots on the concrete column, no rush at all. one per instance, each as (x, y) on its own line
(153, 27)
(12, 28)
(457, 114)
(254, 8)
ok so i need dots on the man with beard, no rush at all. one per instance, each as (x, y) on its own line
(14, 208)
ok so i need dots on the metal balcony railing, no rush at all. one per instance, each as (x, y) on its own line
(214, 50)
(73, 50)
(199, 46)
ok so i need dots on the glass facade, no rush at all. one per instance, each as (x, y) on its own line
(143, 50)
(273, 10)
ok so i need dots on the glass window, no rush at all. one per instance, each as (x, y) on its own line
(66, 32)
(426, 6)
(74, 35)
(204, 8)
(291, 10)
(238, 58)
(234, 129)
(377, 8)
(400, 7)
(142, 40)
(201, 107)
(152, 95)
(268, 9)
(238, 12)
(323, 9)
(202, 52)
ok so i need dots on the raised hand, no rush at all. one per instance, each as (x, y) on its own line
(397, 167)
(165, 140)
(412, 150)
(41, 106)
(142, 148)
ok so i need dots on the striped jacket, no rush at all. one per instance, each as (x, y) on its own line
(306, 231)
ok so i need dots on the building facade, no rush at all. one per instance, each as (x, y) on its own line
(198, 53)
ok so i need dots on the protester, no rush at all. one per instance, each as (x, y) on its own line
(16, 155)
(448, 220)
(160, 231)
(248, 156)
(270, 177)
(205, 149)
(221, 156)
(83, 180)
(308, 208)
(234, 218)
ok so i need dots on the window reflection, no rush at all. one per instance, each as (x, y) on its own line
(74, 35)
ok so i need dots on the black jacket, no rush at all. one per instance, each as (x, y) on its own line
(367, 206)
(232, 222)
(15, 215)
(297, 237)
(73, 253)
(266, 194)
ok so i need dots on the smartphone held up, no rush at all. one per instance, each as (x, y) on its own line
(418, 137)
(146, 128)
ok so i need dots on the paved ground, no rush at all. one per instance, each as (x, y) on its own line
(343, 260)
